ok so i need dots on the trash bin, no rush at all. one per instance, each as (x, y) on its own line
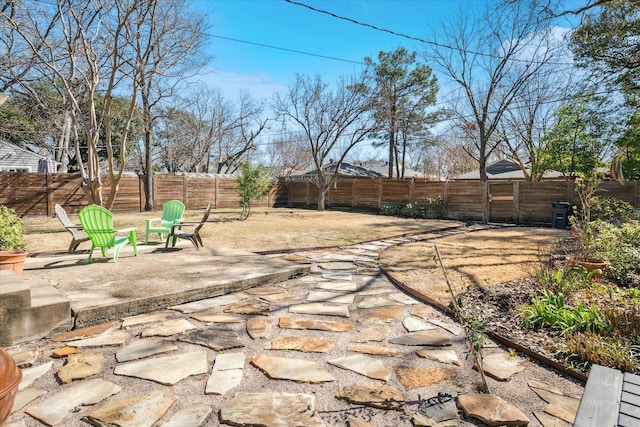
(560, 214)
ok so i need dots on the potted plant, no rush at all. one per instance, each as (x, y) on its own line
(12, 244)
(583, 225)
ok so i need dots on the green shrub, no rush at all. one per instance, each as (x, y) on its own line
(550, 311)
(412, 210)
(567, 279)
(620, 247)
(11, 230)
(390, 209)
(611, 210)
(432, 208)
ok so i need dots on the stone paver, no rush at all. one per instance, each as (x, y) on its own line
(190, 363)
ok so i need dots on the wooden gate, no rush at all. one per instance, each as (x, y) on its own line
(502, 202)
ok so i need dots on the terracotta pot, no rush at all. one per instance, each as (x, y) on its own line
(13, 260)
(10, 377)
(589, 264)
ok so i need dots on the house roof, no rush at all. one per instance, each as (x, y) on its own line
(505, 169)
(346, 169)
(12, 156)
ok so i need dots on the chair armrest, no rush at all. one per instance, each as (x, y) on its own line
(74, 227)
(153, 219)
(126, 230)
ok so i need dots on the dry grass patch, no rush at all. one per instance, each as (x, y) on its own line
(266, 229)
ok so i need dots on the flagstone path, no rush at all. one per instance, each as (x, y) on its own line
(339, 347)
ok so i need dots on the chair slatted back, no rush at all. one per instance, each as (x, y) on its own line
(97, 222)
(204, 219)
(172, 211)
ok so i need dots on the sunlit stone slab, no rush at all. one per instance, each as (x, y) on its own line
(218, 318)
(321, 325)
(338, 286)
(363, 365)
(330, 297)
(320, 309)
(375, 350)
(271, 410)
(220, 382)
(143, 319)
(381, 396)
(403, 298)
(414, 376)
(209, 303)
(216, 338)
(430, 338)
(382, 315)
(168, 328)
(372, 333)
(190, 416)
(225, 361)
(376, 301)
(166, 370)
(105, 339)
(259, 328)
(282, 368)
(145, 347)
(81, 365)
(448, 326)
(414, 324)
(304, 344)
(29, 375)
(439, 355)
(53, 410)
(142, 410)
(24, 397)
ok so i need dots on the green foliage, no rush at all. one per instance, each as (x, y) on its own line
(432, 208)
(550, 311)
(620, 247)
(567, 279)
(575, 144)
(11, 230)
(252, 185)
(613, 211)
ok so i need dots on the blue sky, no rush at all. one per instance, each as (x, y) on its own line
(262, 70)
(278, 23)
(247, 64)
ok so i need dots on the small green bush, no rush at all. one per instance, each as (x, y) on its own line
(620, 247)
(613, 211)
(551, 311)
(11, 230)
(390, 209)
(432, 208)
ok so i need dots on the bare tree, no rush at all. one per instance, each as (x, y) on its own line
(85, 48)
(333, 122)
(530, 116)
(207, 131)
(491, 58)
(288, 154)
(168, 46)
(240, 136)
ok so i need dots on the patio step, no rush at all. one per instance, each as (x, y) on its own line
(30, 309)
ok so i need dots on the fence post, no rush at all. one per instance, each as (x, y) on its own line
(215, 192)
(379, 193)
(485, 202)
(185, 183)
(516, 202)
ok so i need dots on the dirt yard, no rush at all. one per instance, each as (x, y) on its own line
(476, 259)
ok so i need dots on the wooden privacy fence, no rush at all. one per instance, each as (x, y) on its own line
(519, 202)
(37, 193)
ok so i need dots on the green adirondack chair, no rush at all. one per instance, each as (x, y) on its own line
(171, 214)
(97, 222)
